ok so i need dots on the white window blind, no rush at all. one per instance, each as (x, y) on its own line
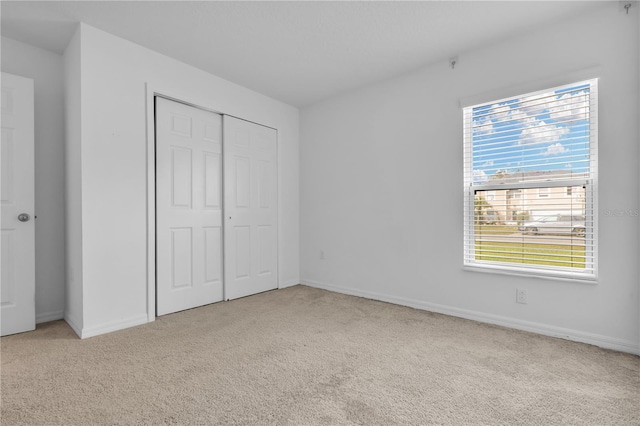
(530, 179)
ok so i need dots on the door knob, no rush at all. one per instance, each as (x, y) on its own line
(23, 217)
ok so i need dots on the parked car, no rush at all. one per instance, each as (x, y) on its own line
(556, 224)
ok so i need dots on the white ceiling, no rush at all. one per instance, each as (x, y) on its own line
(297, 52)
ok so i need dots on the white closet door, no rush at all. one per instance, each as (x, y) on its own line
(17, 299)
(188, 207)
(250, 220)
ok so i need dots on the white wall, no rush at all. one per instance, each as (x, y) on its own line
(381, 186)
(73, 312)
(638, 124)
(114, 169)
(46, 69)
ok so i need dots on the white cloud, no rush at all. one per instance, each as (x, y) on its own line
(540, 132)
(555, 149)
(536, 104)
(570, 107)
(482, 126)
(500, 112)
(479, 176)
(517, 114)
(488, 163)
(503, 113)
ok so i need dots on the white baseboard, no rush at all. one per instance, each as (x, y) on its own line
(73, 324)
(49, 316)
(108, 327)
(289, 283)
(544, 329)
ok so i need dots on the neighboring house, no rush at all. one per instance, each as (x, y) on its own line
(516, 205)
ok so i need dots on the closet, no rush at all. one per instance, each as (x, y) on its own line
(216, 207)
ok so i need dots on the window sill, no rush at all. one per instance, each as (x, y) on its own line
(520, 272)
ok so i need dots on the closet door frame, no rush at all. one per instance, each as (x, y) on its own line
(177, 95)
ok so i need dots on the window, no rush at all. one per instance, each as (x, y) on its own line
(530, 178)
(513, 194)
(544, 192)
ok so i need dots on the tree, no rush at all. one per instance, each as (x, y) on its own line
(480, 204)
(522, 216)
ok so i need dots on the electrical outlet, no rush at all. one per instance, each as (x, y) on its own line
(521, 295)
(322, 255)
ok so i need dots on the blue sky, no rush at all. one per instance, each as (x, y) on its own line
(544, 131)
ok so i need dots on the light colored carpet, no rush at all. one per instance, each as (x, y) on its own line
(303, 356)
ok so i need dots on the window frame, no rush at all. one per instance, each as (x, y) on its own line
(590, 183)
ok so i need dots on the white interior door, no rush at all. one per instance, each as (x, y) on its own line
(17, 299)
(188, 207)
(250, 204)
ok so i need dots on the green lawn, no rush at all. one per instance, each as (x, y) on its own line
(532, 253)
(495, 229)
